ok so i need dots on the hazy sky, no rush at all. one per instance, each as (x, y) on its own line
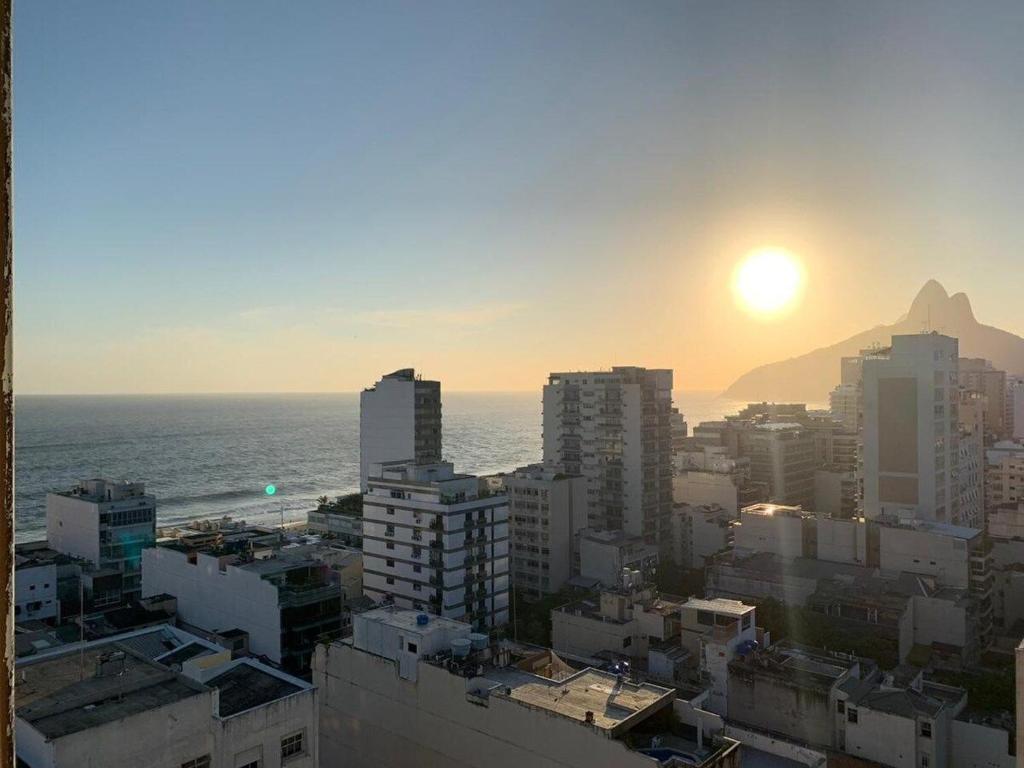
(255, 196)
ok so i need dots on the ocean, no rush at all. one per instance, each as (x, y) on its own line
(212, 455)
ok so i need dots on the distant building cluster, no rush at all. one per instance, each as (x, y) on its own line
(783, 586)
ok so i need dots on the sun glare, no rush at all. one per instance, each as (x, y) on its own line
(768, 282)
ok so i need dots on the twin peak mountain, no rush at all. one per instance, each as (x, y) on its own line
(810, 377)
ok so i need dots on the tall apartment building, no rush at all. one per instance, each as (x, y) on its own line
(615, 428)
(844, 404)
(783, 456)
(978, 375)
(108, 523)
(1004, 473)
(546, 511)
(436, 540)
(399, 420)
(1015, 407)
(911, 429)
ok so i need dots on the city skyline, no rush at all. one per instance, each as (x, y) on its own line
(263, 204)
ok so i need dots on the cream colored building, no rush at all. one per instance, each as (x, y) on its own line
(160, 698)
(407, 693)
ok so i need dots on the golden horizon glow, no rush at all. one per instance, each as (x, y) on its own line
(768, 282)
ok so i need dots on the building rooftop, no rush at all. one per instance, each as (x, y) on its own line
(775, 510)
(246, 686)
(719, 605)
(605, 697)
(64, 694)
(403, 618)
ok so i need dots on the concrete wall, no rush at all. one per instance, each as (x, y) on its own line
(920, 551)
(164, 737)
(585, 636)
(216, 600)
(387, 424)
(706, 488)
(783, 706)
(370, 718)
(257, 733)
(979, 746)
(36, 585)
(72, 526)
(884, 738)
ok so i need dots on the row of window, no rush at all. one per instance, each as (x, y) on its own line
(291, 746)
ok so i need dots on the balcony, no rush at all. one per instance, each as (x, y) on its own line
(292, 595)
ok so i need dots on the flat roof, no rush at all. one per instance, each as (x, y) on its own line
(405, 618)
(246, 686)
(60, 695)
(610, 699)
(719, 605)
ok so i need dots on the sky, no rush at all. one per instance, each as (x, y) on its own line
(258, 196)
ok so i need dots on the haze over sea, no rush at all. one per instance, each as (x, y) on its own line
(212, 455)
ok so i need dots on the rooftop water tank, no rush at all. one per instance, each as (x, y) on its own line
(460, 648)
(479, 641)
(422, 620)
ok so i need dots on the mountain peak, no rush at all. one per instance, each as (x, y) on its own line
(934, 309)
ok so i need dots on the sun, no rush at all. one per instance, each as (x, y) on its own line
(768, 282)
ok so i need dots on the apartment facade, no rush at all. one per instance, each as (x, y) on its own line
(546, 511)
(911, 429)
(285, 598)
(615, 429)
(436, 541)
(399, 420)
(107, 523)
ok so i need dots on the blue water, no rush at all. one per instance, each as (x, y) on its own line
(212, 455)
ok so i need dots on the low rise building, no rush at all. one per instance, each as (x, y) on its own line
(622, 621)
(283, 593)
(341, 519)
(794, 691)
(604, 555)
(713, 631)
(699, 532)
(410, 689)
(160, 697)
(107, 523)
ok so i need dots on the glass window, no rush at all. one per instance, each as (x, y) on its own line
(199, 762)
(291, 745)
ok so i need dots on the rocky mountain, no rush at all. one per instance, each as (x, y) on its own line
(810, 377)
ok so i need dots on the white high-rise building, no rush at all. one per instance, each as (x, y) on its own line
(614, 428)
(911, 431)
(437, 541)
(547, 509)
(108, 523)
(399, 420)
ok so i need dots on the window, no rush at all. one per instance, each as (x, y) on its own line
(413, 648)
(925, 761)
(390, 545)
(851, 715)
(251, 764)
(391, 563)
(706, 618)
(926, 729)
(417, 587)
(627, 641)
(417, 568)
(391, 510)
(199, 762)
(841, 706)
(291, 745)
